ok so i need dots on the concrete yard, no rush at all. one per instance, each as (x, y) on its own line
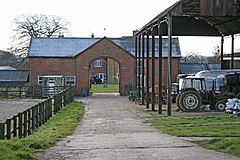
(114, 128)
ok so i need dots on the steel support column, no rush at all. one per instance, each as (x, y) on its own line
(143, 68)
(153, 71)
(222, 49)
(139, 66)
(160, 97)
(136, 63)
(232, 54)
(169, 97)
(147, 70)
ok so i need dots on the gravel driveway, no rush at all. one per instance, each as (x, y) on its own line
(114, 129)
(11, 107)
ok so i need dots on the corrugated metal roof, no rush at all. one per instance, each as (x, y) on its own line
(200, 18)
(8, 76)
(70, 47)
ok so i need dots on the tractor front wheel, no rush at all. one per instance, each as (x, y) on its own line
(220, 106)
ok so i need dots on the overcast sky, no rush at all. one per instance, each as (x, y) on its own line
(118, 17)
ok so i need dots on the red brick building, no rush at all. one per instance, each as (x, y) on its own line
(71, 59)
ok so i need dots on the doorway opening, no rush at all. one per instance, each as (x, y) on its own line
(104, 76)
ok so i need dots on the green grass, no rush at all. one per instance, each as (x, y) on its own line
(226, 145)
(224, 129)
(98, 88)
(59, 126)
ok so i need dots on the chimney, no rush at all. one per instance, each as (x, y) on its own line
(60, 35)
(92, 36)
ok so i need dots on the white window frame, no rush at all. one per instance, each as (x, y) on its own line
(68, 79)
(40, 80)
(97, 63)
(118, 75)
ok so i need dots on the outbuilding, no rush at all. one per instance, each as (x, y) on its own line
(72, 59)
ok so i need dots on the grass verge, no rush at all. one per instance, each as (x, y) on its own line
(98, 88)
(59, 126)
(224, 129)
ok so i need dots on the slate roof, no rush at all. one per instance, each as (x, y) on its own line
(13, 76)
(71, 47)
(6, 68)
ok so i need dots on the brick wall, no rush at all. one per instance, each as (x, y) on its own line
(104, 48)
(80, 66)
(50, 66)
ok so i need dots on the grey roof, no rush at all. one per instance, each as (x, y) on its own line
(7, 68)
(8, 76)
(214, 66)
(59, 47)
(71, 47)
(193, 68)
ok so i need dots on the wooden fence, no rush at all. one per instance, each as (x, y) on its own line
(14, 91)
(25, 123)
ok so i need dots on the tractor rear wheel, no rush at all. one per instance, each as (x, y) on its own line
(190, 101)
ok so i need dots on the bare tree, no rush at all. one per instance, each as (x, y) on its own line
(36, 25)
(193, 57)
(216, 55)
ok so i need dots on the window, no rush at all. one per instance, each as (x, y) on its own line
(70, 80)
(40, 80)
(97, 63)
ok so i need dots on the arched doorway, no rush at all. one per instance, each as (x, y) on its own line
(105, 49)
(104, 75)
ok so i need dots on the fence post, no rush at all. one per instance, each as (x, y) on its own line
(20, 92)
(50, 107)
(37, 115)
(33, 118)
(55, 104)
(45, 111)
(8, 128)
(72, 94)
(61, 100)
(2, 130)
(29, 121)
(68, 95)
(64, 97)
(20, 125)
(15, 126)
(7, 92)
(25, 124)
(40, 114)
